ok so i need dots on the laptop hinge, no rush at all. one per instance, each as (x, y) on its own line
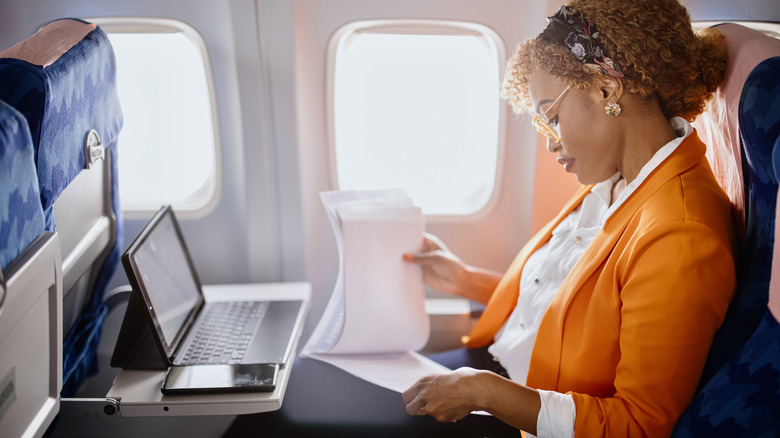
(89, 407)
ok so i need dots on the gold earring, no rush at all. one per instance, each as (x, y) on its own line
(613, 109)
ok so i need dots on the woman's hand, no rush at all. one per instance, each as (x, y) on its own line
(442, 270)
(446, 272)
(448, 397)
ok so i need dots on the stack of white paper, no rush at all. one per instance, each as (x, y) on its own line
(376, 316)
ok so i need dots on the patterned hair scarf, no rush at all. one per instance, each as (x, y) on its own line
(568, 27)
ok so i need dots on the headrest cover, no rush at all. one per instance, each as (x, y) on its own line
(718, 126)
(50, 42)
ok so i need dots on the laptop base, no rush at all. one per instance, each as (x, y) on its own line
(136, 393)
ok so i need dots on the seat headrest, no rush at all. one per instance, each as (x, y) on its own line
(759, 117)
(21, 215)
(63, 100)
(718, 126)
(50, 42)
(761, 126)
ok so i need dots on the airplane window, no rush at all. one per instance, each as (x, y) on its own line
(168, 150)
(416, 105)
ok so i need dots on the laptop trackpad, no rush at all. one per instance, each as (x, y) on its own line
(273, 341)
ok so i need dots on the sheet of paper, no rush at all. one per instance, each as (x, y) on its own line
(394, 371)
(384, 296)
(376, 317)
(378, 301)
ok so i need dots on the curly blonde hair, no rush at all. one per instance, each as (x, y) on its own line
(652, 40)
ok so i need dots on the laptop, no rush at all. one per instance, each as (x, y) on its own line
(186, 328)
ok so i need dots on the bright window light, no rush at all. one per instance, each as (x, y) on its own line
(167, 147)
(418, 108)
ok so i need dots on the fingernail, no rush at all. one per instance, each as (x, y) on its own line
(408, 257)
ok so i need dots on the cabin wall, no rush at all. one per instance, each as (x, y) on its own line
(491, 242)
(241, 240)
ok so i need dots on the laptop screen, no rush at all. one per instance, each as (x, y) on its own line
(162, 266)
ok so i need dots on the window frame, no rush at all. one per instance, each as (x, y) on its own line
(419, 27)
(205, 199)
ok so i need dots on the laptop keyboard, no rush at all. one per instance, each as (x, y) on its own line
(225, 332)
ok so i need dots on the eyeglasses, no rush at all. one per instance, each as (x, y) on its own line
(541, 123)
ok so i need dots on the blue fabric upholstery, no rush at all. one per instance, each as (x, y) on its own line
(21, 216)
(759, 126)
(743, 396)
(62, 102)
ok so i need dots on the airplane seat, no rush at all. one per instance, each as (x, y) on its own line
(741, 169)
(30, 290)
(742, 398)
(63, 80)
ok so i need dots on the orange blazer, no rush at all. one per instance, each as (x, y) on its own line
(629, 330)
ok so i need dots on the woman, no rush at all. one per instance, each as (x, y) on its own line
(605, 318)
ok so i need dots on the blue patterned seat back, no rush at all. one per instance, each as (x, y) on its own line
(742, 398)
(757, 120)
(21, 215)
(62, 101)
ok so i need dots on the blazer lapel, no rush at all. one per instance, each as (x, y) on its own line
(504, 298)
(550, 335)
